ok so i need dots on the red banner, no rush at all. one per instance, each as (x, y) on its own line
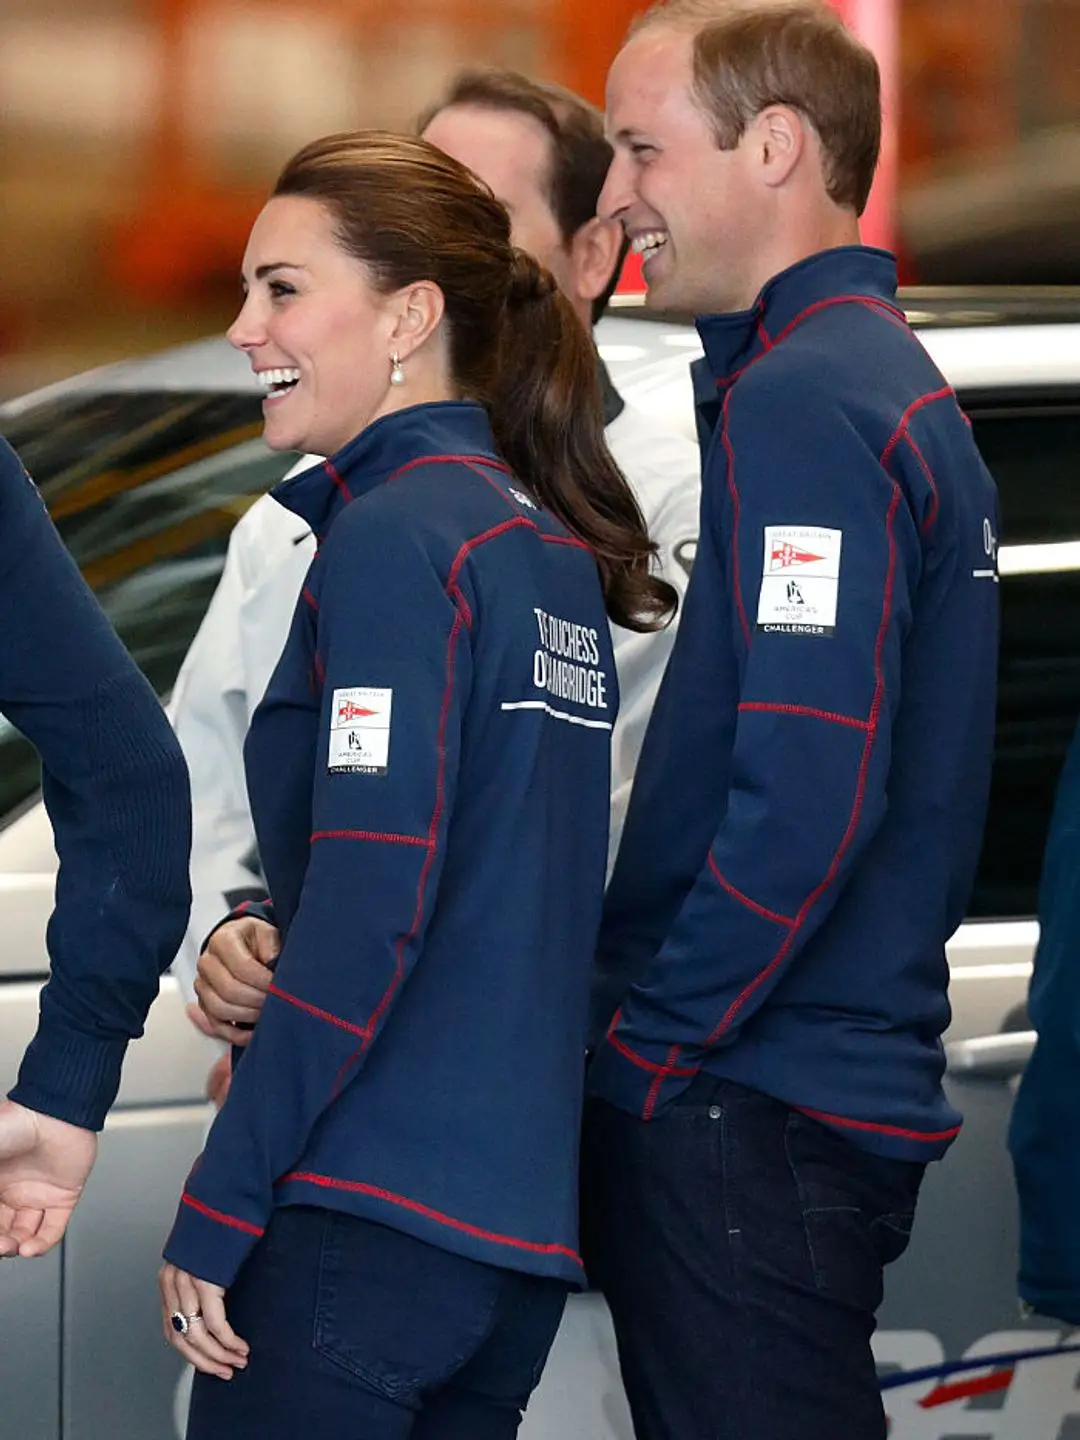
(877, 24)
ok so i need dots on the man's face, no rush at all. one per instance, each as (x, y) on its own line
(691, 210)
(511, 153)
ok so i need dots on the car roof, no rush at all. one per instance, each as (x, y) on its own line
(980, 339)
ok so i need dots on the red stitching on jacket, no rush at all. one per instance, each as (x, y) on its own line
(470, 460)
(463, 616)
(338, 481)
(639, 1060)
(882, 306)
(571, 540)
(860, 788)
(916, 405)
(763, 334)
(806, 710)
(328, 1182)
(772, 915)
(730, 452)
(319, 1014)
(458, 596)
(432, 842)
(656, 1086)
(934, 503)
(320, 668)
(871, 302)
(370, 835)
(928, 1136)
(514, 523)
(221, 1217)
(310, 598)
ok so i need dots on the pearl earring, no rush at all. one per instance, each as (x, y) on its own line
(397, 374)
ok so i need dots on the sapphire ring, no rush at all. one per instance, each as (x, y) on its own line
(182, 1323)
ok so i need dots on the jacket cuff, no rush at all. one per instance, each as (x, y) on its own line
(70, 1075)
(635, 1083)
(259, 907)
(209, 1244)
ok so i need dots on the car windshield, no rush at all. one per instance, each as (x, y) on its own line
(144, 488)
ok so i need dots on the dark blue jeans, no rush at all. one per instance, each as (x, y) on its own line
(360, 1332)
(741, 1246)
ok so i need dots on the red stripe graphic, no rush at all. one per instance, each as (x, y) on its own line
(967, 1389)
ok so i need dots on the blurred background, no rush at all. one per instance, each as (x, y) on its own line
(138, 138)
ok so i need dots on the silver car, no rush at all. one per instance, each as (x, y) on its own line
(145, 467)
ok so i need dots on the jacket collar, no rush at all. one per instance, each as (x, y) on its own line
(849, 272)
(449, 428)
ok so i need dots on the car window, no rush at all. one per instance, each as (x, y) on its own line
(144, 489)
(1033, 449)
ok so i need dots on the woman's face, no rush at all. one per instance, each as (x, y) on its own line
(318, 335)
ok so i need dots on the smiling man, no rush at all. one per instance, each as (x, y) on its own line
(808, 808)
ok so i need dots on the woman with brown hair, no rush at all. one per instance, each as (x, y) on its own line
(390, 1194)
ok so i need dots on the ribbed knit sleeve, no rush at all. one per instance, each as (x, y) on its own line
(116, 790)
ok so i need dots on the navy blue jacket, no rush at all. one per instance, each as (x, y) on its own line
(1044, 1135)
(429, 783)
(116, 789)
(808, 809)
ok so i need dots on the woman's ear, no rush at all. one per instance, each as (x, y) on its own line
(417, 310)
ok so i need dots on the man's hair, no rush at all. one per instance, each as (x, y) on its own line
(749, 54)
(580, 153)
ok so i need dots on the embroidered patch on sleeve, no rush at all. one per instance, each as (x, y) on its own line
(799, 580)
(360, 731)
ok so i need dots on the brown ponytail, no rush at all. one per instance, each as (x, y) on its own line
(409, 213)
(547, 415)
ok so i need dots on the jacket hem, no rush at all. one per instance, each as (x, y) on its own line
(435, 1227)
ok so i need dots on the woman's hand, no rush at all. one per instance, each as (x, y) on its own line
(204, 1337)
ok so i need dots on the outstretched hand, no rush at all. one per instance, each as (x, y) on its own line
(44, 1163)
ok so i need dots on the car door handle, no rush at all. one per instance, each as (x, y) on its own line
(1001, 1056)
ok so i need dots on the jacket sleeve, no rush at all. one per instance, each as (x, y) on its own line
(1043, 1127)
(221, 681)
(209, 713)
(640, 659)
(394, 650)
(810, 761)
(116, 791)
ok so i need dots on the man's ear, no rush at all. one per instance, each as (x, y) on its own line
(780, 138)
(594, 253)
(415, 311)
